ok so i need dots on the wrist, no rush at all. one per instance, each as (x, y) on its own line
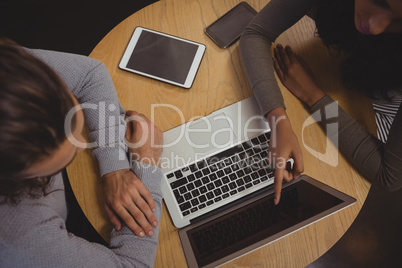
(115, 174)
(276, 115)
(278, 119)
(149, 161)
(149, 158)
(313, 99)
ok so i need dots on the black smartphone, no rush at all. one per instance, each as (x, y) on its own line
(227, 29)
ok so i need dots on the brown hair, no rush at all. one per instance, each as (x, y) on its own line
(33, 104)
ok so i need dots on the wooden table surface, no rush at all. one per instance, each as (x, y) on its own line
(221, 81)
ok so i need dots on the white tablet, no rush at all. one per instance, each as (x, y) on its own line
(162, 57)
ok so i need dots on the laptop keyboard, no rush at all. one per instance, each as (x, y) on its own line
(218, 177)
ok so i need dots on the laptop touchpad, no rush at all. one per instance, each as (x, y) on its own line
(210, 133)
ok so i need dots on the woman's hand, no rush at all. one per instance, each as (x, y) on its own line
(283, 145)
(296, 76)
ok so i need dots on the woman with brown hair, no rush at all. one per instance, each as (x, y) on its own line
(45, 97)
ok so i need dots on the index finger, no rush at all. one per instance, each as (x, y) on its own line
(278, 179)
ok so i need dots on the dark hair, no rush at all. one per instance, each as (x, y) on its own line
(371, 61)
(33, 104)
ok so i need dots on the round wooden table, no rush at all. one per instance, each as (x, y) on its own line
(221, 81)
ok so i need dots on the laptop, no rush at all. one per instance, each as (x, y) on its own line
(215, 160)
(216, 174)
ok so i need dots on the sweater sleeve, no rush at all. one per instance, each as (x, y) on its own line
(144, 248)
(378, 162)
(35, 234)
(91, 83)
(255, 48)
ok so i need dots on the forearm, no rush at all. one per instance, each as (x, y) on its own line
(90, 82)
(378, 162)
(105, 121)
(258, 64)
(255, 48)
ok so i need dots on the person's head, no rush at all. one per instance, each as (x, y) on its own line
(378, 16)
(34, 102)
(369, 32)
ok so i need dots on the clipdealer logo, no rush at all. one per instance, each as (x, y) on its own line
(328, 119)
(108, 126)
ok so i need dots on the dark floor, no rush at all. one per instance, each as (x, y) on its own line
(71, 26)
(373, 240)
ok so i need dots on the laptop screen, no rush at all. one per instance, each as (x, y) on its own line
(257, 221)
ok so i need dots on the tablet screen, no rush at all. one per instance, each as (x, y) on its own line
(162, 57)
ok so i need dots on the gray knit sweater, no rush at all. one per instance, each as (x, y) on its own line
(33, 233)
